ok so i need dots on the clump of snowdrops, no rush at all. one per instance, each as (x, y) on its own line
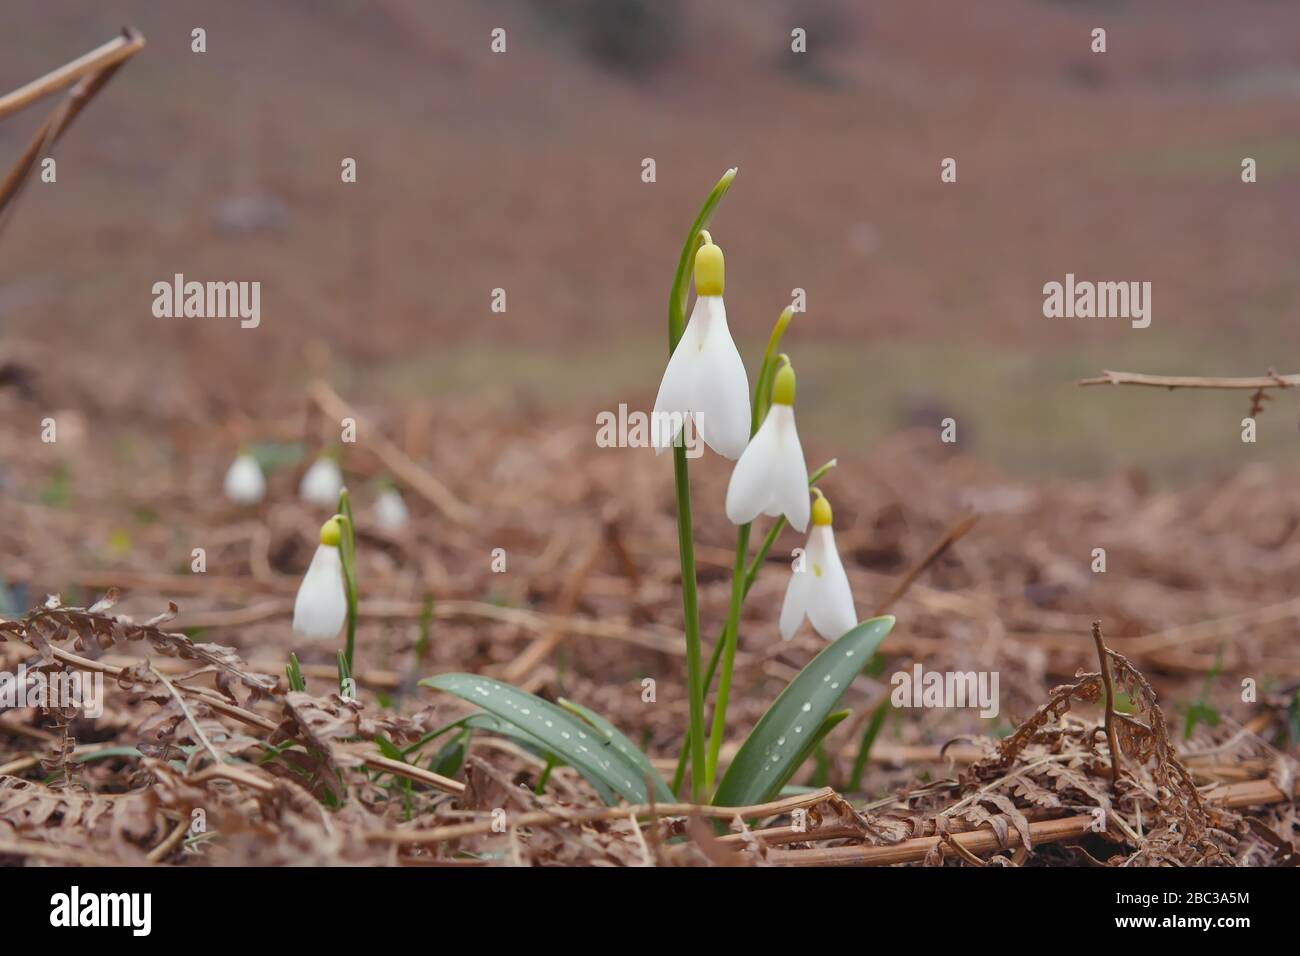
(704, 384)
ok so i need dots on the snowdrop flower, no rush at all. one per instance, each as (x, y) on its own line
(705, 377)
(771, 477)
(321, 483)
(322, 606)
(819, 589)
(390, 511)
(244, 483)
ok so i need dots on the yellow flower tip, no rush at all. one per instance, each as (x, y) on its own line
(330, 532)
(708, 270)
(783, 386)
(821, 509)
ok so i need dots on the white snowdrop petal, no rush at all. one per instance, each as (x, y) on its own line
(676, 389)
(321, 483)
(721, 387)
(748, 490)
(321, 606)
(244, 483)
(390, 510)
(795, 603)
(830, 601)
(789, 478)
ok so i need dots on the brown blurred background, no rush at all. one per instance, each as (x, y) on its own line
(523, 171)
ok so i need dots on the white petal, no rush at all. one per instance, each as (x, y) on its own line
(796, 601)
(390, 510)
(830, 599)
(244, 483)
(788, 481)
(321, 483)
(750, 489)
(321, 606)
(676, 394)
(721, 386)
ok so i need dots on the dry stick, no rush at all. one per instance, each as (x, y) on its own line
(553, 817)
(1111, 737)
(113, 52)
(221, 706)
(91, 73)
(1235, 796)
(164, 849)
(950, 841)
(180, 701)
(545, 644)
(396, 460)
(1271, 380)
(950, 537)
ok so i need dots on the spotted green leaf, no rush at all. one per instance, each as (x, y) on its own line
(554, 730)
(622, 745)
(785, 735)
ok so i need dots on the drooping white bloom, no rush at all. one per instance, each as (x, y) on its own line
(705, 377)
(321, 606)
(819, 590)
(244, 483)
(321, 483)
(390, 511)
(771, 477)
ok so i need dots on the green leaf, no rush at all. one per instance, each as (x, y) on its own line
(552, 729)
(786, 734)
(685, 264)
(864, 751)
(107, 753)
(822, 776)
(449, 759)
(622, 745)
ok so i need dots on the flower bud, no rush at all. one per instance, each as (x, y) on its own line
(709, 270)
(821, 510)
(330, 532)
(783, 386)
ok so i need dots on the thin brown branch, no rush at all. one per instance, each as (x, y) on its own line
(397, 461)
(90, 73)
(1271, 380)
(189, 716)
(950, 537)
(1111, 736)
(173, 839)
(537, 818)
(1235, 796)
(112, 53)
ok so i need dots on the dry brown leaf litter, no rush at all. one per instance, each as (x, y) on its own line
(1205, 570)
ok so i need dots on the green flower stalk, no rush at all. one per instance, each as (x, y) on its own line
(770, 477)
(751, 575)
(348, 553)
(681, 479)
